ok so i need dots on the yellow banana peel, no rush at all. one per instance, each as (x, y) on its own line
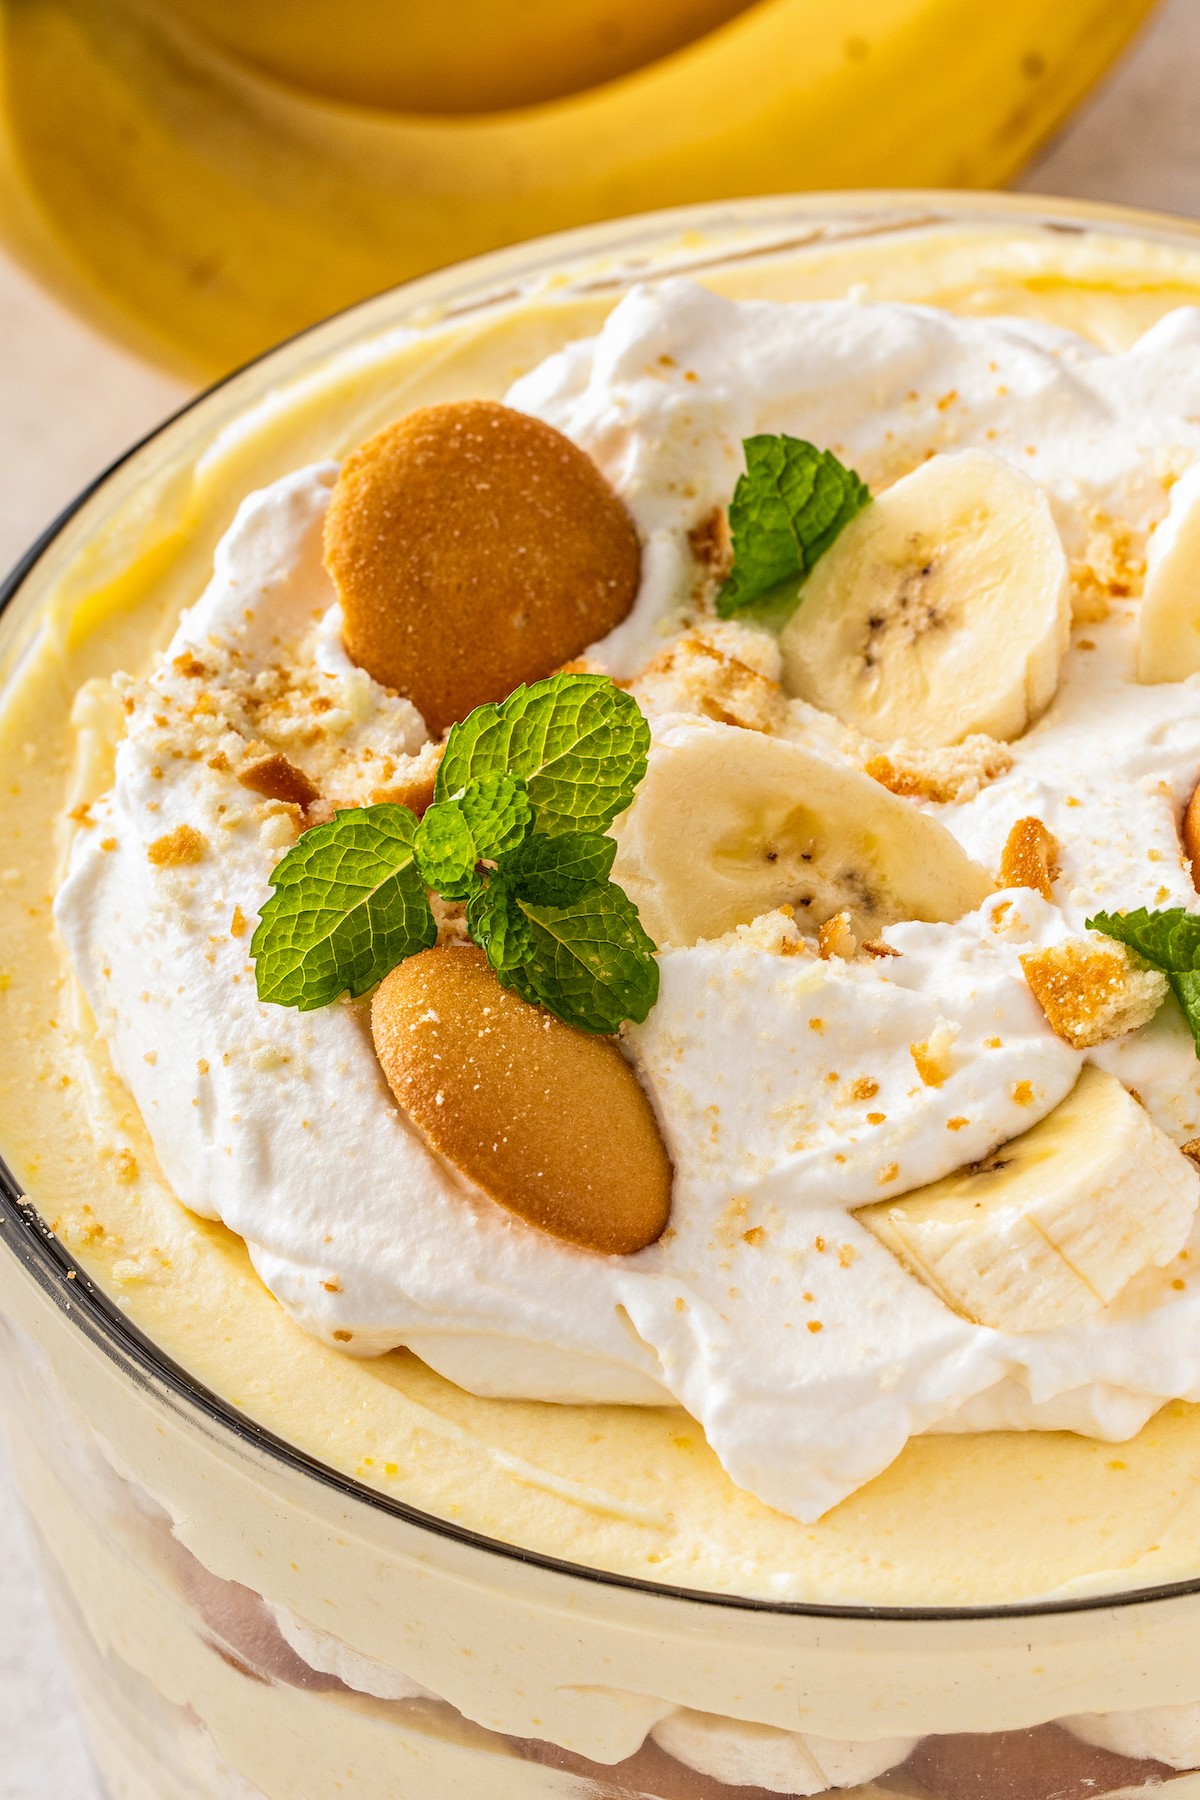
(202, 209)
(451, 56)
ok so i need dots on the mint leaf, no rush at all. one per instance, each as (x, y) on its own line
(578, 742)
(786, 511)
(498, 925)
(522, 797)
(445, 851)
(1170, 942)
(557, 870)
(490, 817)
(349, 904)
(591, 963)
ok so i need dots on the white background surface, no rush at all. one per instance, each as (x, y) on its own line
(69, 403)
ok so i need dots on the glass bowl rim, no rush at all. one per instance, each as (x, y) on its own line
(67, 1284)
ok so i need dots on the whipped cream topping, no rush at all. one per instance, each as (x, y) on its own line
(785, 1084)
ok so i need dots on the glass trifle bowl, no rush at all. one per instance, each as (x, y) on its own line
(423, 1565)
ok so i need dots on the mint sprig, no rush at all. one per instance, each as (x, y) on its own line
(349, 904)
(591, 962)
(578, 742)
(516, 829)
(786, 511)
(556, 870)
(1170, 942)
(490, 817)
(499, 926)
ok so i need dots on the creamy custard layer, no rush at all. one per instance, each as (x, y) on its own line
(963, 1520)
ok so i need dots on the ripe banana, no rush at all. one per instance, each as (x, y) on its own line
(204, 210)
(451, 56)
(1169, 621)
(943, 609)
(1052, 1225)
(729, 824)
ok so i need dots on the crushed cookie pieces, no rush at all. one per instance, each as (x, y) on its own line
(238, 925)
(932, 1056)
(711, 544)
(1091, 990)
(275, 778)
(177, 848)
(836, 938)
(1031, 858)
(940, 773)
(722, 670)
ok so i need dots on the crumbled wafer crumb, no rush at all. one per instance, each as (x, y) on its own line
(1031, 858)
(1091, 990)
(836, 937)
(1113, 567)
(183, 845)
(275, 777)
(775, 932)
(711, 544)
(415, 788)
(720, 670)
(933, 1056)
(940, 772)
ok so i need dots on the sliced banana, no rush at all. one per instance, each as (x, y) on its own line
(1051, 1226)
(1169, 623)
(943, 609)
(729, 824)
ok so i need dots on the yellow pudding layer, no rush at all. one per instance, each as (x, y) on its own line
(961, 1520)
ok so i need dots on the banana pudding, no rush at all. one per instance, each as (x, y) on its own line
(698, 1081)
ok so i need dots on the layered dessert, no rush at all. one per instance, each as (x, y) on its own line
(623, 957)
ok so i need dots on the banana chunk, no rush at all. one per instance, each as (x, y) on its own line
(730, 824)
(1051, 1226)
(1169, 623)
(942, 610)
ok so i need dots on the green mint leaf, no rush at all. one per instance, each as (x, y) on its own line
(578, 742)
(349, 904)
(498, 925)
(591, 963)
(489, 818)
(786, 511)
(445, 851)
(556, 870)
(1170, 942)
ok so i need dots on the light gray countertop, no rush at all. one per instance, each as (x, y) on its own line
(69, 403)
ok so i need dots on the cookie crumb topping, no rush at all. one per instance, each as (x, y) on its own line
(1092, 991)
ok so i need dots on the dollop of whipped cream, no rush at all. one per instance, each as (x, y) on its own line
(785, 1084)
